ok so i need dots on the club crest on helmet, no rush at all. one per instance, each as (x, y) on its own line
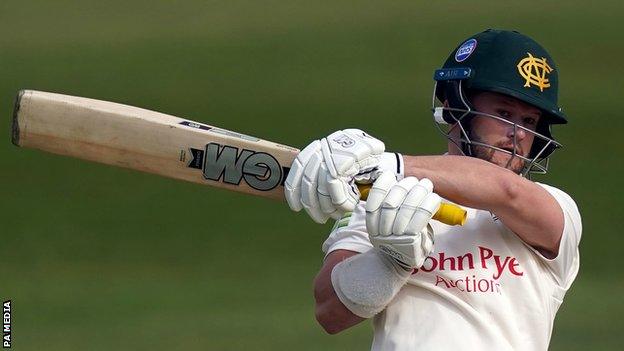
(535, 70)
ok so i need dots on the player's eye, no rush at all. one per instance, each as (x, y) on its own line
(529, 121)
(503, 113)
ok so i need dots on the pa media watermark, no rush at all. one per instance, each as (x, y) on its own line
(6, 324)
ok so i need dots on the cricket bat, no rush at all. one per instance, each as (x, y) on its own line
(153, 142)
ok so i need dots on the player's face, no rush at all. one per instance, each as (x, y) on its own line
(501, 134)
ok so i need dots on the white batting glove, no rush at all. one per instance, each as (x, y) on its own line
(397, 218)
(322, 177)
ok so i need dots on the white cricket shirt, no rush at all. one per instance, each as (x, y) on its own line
(482, 288)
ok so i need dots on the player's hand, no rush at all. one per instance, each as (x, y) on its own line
(397, 218)
(322, 177)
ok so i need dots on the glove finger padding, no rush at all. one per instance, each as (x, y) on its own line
(324, 199)
(309, 195)
(411, 203)
(392, 202)
(427, 208)
(292, 185)
(376, 196)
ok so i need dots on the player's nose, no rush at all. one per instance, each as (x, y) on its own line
(514, 132)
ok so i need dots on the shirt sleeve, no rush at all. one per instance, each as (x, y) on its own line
(349, 233)
(566, 265)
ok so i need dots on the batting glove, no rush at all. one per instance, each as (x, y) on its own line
(322, 177)
(397, 218)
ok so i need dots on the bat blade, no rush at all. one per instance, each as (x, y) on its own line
(148, 141)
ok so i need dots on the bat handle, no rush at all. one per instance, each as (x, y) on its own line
(448, 213)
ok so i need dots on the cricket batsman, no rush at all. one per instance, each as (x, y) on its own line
(495, 283)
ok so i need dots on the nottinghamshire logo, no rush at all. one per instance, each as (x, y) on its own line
(535, 70)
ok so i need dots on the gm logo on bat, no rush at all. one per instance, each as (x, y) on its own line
(230, 165)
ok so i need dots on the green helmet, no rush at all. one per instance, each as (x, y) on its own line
(508, 63)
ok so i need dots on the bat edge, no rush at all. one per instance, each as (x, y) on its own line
(15, 128)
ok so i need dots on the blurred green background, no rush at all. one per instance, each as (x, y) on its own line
(99, 258)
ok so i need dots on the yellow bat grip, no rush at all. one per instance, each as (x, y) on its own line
(450, 214)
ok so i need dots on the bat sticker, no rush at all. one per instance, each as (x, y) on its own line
(228, 164)
(195, 125)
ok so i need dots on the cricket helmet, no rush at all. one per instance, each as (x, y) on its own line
(504, 62)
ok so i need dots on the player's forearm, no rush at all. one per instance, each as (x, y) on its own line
(464, 180)
(523, 206)
(330, 313)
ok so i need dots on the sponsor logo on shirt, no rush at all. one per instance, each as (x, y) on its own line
(485, 267)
